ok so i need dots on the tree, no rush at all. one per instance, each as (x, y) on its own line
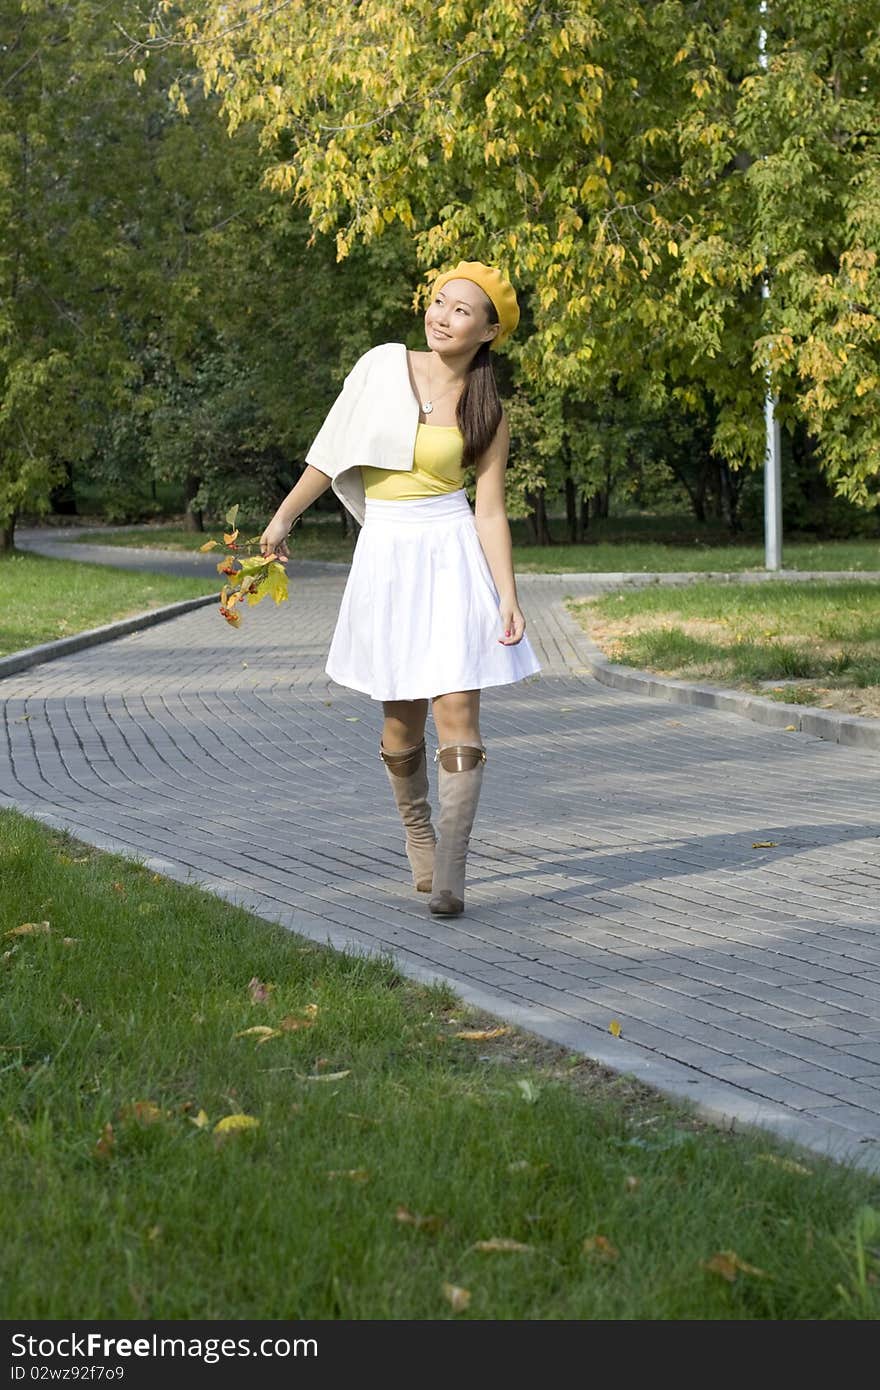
(631, 166)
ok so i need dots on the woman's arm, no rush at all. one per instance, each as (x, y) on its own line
(307, 490)
(493, 529)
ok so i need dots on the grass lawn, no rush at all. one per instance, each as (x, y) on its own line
(56, 598)
(808, 642)
(618, 547)
(382, 1147)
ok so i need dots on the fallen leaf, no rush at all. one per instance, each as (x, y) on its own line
(325, 1076)
(154, 1233)
(788, 1164)
(456, 1297)
(291, 1023)
(529, 1091)
(501, 1243)
(790, 729)
(107, 1142)
(483, 1035)
(614, 1028)
(118, 887)
(352, 719)
(233, 1124)
(259, 991)
(728, 1264)
(765, 844)
(601, 1246)
(70, 940)
(353, 1174)
(146, 1112)
(29, 929)
(201, 1120)
(632, 1184)
(261, 1031)
(432, 1224)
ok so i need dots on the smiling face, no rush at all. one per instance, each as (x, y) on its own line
(457, 319)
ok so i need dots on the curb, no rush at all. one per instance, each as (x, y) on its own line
(617, 579)
(847, 729)
(94, 636)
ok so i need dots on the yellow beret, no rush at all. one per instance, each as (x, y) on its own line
(492, 283)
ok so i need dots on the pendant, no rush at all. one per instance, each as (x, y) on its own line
(427, 407)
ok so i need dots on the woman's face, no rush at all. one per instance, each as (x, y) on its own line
(457, 321)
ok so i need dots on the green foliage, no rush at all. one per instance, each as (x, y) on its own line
(633, 167)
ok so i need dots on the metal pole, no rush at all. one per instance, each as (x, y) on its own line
(773, 446)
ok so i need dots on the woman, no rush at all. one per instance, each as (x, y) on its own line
(430, 609)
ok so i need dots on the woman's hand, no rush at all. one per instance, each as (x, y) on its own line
(274, 539)
(514, 623)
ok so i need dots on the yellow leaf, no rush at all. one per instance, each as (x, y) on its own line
(106, 1143)
(483, 1035)
(233, 1124)
(209, 545)
(601, 1246)
(261, 1031)
(145, 1111)
(790, 729)
(275, 583)
(456, 1297)
(421, 1223)
(614, 1028)
(29, 929)
(201, 1120)
(765, 844)
(501, 1243)
(230, 537)
(140, 76)
(728, 1264)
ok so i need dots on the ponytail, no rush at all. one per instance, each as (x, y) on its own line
(479, 406)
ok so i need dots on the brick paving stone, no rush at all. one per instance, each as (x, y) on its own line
(612, 874)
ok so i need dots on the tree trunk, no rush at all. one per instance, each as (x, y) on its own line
(583, 519)
(571, 515)
(193, 519)
(7, 535)
(729, 493)
(600, 504)
(539, 528)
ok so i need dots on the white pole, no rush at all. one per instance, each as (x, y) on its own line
(773, 446)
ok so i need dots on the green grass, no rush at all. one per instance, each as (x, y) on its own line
(319, 538)
(509, 1138)
(746, 635)
(47, 599)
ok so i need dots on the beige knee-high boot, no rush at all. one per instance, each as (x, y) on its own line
(408, 775)
(460, 777)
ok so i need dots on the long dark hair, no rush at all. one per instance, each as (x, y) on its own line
(478, 411)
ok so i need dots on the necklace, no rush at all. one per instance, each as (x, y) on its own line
(428, 405)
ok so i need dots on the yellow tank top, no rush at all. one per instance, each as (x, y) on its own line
(437, 468)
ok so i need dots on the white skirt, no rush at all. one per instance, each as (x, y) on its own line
(420, 613)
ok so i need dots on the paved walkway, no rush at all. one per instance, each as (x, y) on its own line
(614, 872)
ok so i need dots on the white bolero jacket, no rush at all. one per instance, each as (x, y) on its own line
(373, 423)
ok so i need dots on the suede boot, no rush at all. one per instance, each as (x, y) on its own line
(408, 775)
(460, 777)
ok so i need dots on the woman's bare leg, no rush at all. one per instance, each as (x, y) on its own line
(404, 723)
(457, 717)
